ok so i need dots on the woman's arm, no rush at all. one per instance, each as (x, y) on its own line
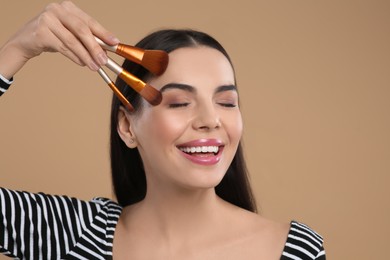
(36, 223)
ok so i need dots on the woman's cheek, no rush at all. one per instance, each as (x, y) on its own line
(235, 125)
(171, 125)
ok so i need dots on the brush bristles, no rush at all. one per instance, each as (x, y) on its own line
(152, 95)
(149, 93)
(155, 61)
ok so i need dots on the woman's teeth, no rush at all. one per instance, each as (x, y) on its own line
(200, 149)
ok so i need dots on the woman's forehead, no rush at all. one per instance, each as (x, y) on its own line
(197, 65)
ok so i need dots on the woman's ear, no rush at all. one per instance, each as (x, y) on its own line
(124, 128)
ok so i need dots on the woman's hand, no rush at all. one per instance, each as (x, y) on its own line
(61, 27)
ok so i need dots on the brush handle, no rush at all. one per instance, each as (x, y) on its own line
(104, 76)
(114, 67)
(134, 82)
(106, 46)
(116, 91)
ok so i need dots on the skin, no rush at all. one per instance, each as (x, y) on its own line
(181, 216)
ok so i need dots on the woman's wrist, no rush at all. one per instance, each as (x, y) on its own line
(11, 61)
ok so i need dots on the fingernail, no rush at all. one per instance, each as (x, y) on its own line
(114, 39)
(102, 58)
(93, 66)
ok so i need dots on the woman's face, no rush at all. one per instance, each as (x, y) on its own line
(190, 139)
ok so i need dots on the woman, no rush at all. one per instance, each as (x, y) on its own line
(177, 167)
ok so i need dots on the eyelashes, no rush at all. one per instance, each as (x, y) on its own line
(186, 104)
(224, 100)
(231, 105)
(177, 105)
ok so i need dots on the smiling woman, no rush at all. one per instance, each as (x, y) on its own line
(197, 110)
(178, 170)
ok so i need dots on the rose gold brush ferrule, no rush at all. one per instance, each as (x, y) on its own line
(155, 61)
(116, 91)
(130, 79)
(129, 52)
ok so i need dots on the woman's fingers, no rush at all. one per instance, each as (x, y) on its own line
(67, 43)
(85, 28)
(65, 28)
(96, 28)
(74, 30)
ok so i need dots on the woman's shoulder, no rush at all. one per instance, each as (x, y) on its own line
(259, 237)
(294, 239)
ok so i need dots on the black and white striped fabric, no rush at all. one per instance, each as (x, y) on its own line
(4, 84)
(40, 226)
(303, 243)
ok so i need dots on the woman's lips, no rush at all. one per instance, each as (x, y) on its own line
(202, 151)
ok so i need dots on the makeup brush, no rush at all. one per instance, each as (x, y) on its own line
(111, 84)
(155, 61)
(152, 95)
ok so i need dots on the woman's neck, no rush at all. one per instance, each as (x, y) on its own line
(171, 214)
(187, 224)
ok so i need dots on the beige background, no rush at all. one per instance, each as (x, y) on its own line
(314, 78)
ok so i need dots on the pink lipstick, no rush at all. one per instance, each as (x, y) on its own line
(202, 151)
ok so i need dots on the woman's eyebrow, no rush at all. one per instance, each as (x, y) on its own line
(180, 86)
(192, 89)
(225, 88)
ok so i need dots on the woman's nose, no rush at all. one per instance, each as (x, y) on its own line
(206, 119)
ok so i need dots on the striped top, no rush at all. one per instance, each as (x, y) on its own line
(40, 226)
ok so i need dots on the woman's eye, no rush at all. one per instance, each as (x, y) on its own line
(176, 105)
(228, 104)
